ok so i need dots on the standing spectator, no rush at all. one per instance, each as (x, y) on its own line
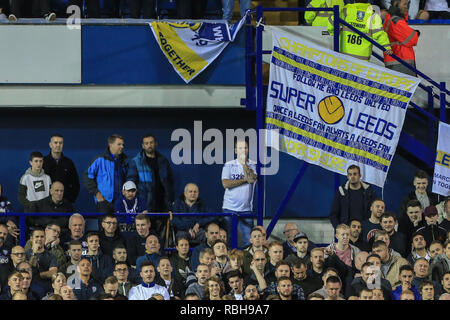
(88, 286)
(317, 263)
(259, 270)
(131, 204)
(105, 175)
(383, 236)
(412, 221)
(55, 202)
(401, 36)
(191, 9)
(34, 185)
(431, 231)
(352, 200)
(92, 7)
(39, 8)
(320, 18)
(228, 8)
(285, 289)
(101, 264)
(256, 243)
(110, 235)
(151, 172)
(391, 265)
(60, 168)
(419, 193)
(191, 227)
(301, 243)
(148, 287)
(397, 239)
(238, 179)
(146, 8)
(372, 225)
(342, 248)
(136, 242)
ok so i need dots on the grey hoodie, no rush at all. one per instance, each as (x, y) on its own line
(33, 187)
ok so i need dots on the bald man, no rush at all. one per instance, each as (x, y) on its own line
(55, 202)
(191, 227)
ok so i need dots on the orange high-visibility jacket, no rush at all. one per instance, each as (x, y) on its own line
(402, 39)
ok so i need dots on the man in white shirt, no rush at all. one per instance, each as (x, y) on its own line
(148, 287)
(238, 179)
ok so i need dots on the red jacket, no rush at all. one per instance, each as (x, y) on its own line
(402, 39)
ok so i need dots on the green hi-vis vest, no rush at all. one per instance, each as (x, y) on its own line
(362, 17)
(320, 18)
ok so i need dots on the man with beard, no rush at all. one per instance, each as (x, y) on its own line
(300, 277)
(4, 250)
(75, 251)
(406, 277)
(259, 270)
(251, 292)
(285, 289)
(356, 238)
(301, 244)
(390, 264)
(397, 239)
(371, 225)
(283, 270)
(333, 287)
(85, 287)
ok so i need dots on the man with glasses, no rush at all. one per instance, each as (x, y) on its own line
(110, 235)
(52, 232)
(120, 255)
(256, 244)
(121, 272)
(17, 256)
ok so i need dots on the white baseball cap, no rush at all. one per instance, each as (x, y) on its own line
(129, 185)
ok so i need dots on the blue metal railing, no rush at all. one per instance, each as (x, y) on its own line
(234, 220)
(249, 101)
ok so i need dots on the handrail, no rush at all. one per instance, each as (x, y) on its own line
(234, 234)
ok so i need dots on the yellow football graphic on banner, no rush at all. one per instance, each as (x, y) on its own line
(331, 109)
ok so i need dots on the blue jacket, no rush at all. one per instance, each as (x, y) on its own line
(140, 173)
(185, 223)
(398, 292)
(154, 258)
(102, 266)
(100, 176)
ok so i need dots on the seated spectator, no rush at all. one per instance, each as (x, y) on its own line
(405, 276)
(299, 271)
(111, 286)
(440, 264)
(76, 228)
(175, 285)
(34, 185)
(390, 264)
(214, 289)
(397, 239)
(128, 202)
(366, 294)
(251, 292)
(421, 274)
(445, 282)
(51, 243)
(148, 287)
(26, 286)
(15, 280)
(290, 231)
(236, 284)
(101, 264)
(383, 236)
(275, 254)
(256, 244)
(212, 234)
(315, 296)
(436, 248)
(74, 252)
(283, 270)
(152, 252)
(121, 272)
(44, 263)
(444, 220)
(67, 293)
(196, 282)
(55, 202)
(369, 279)
(181, 258)
(329, 272)
(222, 263)
(4, 248)
(301, 243)
(17, 256)
(356, 238)
(426, 290)
(86, 286)
(191, 227)
(191, 9)
(136, 242)
(431, 231)
(58, 281)
(435, 9)
(333, 287)
(40, 9)
(36, 284)
(236, 258)
(412, 221)
(286, 291)
(419, 249)
(110, 235)
(120, 255)
(259, 271)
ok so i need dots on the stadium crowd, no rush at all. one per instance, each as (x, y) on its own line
(377, 255)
